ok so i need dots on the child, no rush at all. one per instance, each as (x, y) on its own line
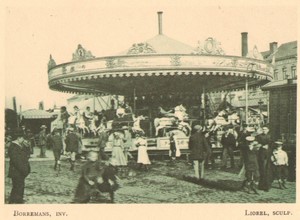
(280, 160)
(96, 176)
(92, 172)
(172, 147)
(143, 158)
(251, 164)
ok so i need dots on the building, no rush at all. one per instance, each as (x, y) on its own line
(283, 90)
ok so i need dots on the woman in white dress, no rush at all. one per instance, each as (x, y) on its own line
(118, 156)
(143, 158)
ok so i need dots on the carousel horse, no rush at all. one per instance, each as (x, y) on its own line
(185, 127)
(234, 119)
(170, 119)
(77, 121)
(164, 122)
(92, 125)
(136, 124)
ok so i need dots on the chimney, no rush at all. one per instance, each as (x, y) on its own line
(15, 104)
(273, 47)
(244, 44)
(41, 105)
(159, 13)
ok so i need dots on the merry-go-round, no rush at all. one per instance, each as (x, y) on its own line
(165, 85)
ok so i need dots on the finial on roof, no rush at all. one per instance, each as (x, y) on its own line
(51, 62)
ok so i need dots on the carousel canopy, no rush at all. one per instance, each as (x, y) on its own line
(37, 114)
(160, 65)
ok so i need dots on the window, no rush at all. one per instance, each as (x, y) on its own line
(284, 75)
(293, 71)
(276, 74)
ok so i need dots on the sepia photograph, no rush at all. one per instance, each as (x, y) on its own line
(144, 103)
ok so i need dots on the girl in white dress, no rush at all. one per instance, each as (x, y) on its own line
(143, 158)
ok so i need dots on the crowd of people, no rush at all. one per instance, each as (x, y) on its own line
(261, 159)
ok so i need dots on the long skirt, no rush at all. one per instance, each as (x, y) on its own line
(118, 157)
(143, 157)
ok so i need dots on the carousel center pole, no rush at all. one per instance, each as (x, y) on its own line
(204, 105)
(134, 100)
(246, 99)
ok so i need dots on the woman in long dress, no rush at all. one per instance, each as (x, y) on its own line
(118, 157)
(143, 158)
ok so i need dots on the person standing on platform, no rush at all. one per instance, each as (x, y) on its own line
(57, 147)
(19, 167)
(228, 142)
(64, 117)
(264, 160)
(103, 138)
(72, 146)
(210, 156)
(199, 148)
(43, 141)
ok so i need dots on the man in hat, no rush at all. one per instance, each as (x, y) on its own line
(43, 141)
(228, 142)
(280, 160)
(264, 159)
(19, 167)
(199, 148)
(72, 145)
(57, 147)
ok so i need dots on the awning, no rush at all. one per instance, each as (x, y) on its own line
(37, 114)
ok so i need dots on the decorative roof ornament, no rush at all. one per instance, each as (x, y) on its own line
(210, 47)
(51, 63)
(82, 54)
(141, 48)
(255, 54)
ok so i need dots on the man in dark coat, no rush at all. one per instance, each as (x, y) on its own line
(43, 141)
(264, 160)
(57, 147)
(199, 148)
(228, 142)
(19, 167)
(72, 145)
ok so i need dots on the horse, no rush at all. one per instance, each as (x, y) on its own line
(179, 116)
(78, 122)
(136, 124)
(164, 122)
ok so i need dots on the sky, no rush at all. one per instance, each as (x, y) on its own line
(33, 32)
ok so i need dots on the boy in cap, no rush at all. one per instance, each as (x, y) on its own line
(280, 160)
(72, 145)
(251, 164)
(228, 142)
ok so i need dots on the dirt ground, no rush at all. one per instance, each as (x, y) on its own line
(163, 183)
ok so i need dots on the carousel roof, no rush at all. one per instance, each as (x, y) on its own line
(162, 44)
(160, 65)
